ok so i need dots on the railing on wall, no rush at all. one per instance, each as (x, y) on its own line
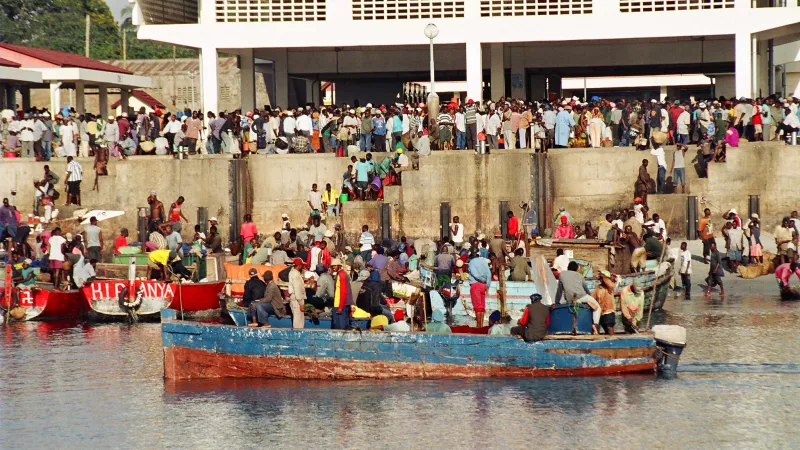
(630, 6)
(407, 9)
(514, 8)
(270, 10)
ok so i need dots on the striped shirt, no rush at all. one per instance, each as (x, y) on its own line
(75, 171)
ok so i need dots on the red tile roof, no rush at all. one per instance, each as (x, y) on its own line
(144, 97)
(7, 63)
(63, 59)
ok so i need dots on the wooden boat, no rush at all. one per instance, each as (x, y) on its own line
(105, 299)
(196, 350)
(45, 304)
(239, 318)
(654, 282)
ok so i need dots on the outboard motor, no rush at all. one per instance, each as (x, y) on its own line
(450, 294)
(670, 342)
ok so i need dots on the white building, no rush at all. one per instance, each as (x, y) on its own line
(523, 48)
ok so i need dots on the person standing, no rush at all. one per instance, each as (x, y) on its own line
(93, 236)
(67, 134)
(564, 124)
(679, 166)
(297, 294)
(73, 179)
(26, 136)
(457, 232)
(460, 129)
(111, 136)
(524, 125)
(479, 278)
(471, 122)
(643, 183)
(56, 252)
(47, 139)
(343, 303)
(706, 230)
(661, 178)
(493, 124)
(378, 131)
(686, 270)
(38, 136)
(715, 272)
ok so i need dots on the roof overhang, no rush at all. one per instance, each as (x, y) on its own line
(23, 75)
(93, 77)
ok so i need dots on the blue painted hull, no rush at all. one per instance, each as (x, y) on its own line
(196, 350)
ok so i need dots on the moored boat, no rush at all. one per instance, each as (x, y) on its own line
(44, 304)
(114, 300)
(197, 350)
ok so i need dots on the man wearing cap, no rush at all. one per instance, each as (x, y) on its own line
(532, 326)
(270, 304)
(631, 304)
(571, 288)
(297, 293)
(254, 289)
(471, 122)
(604, 295)
(26, 135)
(343, 303)
(111, 135)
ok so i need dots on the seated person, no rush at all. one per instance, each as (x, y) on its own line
(533, 323)
(399, 324)
(520, 270)
(378, 319)
(271, 304)
(502, 325)
(571, 288)
(27, 277)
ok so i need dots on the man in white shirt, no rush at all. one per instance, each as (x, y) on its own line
(314, 199)
(561, 262)
(658, 152)
(682, 128)
(686, 270)
(659, 227)
(457, 232)
(492, 127)
(461, 129)
(366, 241)
(289, 127)
(26, 136)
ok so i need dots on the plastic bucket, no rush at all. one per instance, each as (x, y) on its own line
(343, 198)
(9, 154)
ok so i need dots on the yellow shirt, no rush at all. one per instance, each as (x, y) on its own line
(330, 198)
(159, 257)
(378, 321)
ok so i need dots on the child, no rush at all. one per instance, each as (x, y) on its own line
(756, 254)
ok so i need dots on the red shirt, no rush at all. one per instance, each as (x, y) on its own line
(121, 241)
(524, 319)
(675, 111)
(248, 231)
(513, 226)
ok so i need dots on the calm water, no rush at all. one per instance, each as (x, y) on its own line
(74, 385)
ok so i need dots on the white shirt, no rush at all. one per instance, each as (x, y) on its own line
(664, 120)
(561, 263)
(493, 124)
(161, 145)
(683, 122)
(461, 121)
(350, 121)
(660, 228)
(274, 128)
(686, 263)
(406, 124)
(402, 160)
(658, 152)
(55, 244)
(366, 240)
(75, 171)
(289, 124)
(792, 120)
(480, 123)
(27, 130)
(315, 197)
(173, 126)
(458, 236)
(304, 123)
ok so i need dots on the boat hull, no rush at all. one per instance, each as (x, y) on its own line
(102, 299)
(195, 350)
(44, 304)
(197, 298)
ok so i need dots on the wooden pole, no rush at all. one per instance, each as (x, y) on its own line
(501, 291)
(88, 33)
(655, 283)
(7, 293)
(125, 49)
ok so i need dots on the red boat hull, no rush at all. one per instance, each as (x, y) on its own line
(196, 297)
(102, 297)
(44, 304)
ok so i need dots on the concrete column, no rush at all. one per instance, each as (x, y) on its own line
(55, 97)
(663, 94)
(11, 97)
(474, 71)
(517, 73)
(26, 98)
(3, 88)
(125, 100)
(207, 14)
(498, 72)
(754, 66)
(80, 98)
(103, 95)
(248, 80)
(316, 87)
(209, 90)
(281, 62)
(742, 58)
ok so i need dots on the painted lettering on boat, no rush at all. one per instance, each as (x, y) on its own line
(104, 290)
(26, 298)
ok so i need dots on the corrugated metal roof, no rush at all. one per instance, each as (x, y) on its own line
(63, 59)
(144, 97)
(7, 63)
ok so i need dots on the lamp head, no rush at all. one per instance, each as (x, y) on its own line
(431, 31)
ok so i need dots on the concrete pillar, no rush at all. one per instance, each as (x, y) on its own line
(11, 97)
(247, 76)
(80, 98)
(103, 95)
(663, 93)
(517, 73)
(209, 90)
(474, 71)
(309, 91)
(754, 66)
(125, 100)
(281, 62)
(207, 14)
(316, 87)
(498, 72)
(3, 88)
(26, 98)
(55, 96)
(742, 58)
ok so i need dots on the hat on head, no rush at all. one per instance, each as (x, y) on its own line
(213, 219)
(494, 316)
(637, 200)
(732, 211)
(363, 275)
(289, 113)
(470, 101)
(153, 192)
(46, 114)
(437, 315)
(369, 105)
(606, 274)
(336, 262)
(481, 237)
(399, 151)
(467, 246)
(352, 111)
(328, 233)
(754, 216)
(253, 272)
(297, 262)
(399, 315)
(320, 269)
(498, 234)
(27, 261)
(284, 216)
(564, 219)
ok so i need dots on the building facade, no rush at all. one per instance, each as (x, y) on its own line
(522, 48)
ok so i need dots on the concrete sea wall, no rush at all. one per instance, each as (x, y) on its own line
(588, 182)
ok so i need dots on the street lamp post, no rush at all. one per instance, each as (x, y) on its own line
(431, 31)
(192, 74)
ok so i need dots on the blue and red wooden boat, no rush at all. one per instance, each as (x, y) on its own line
(197, 350)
